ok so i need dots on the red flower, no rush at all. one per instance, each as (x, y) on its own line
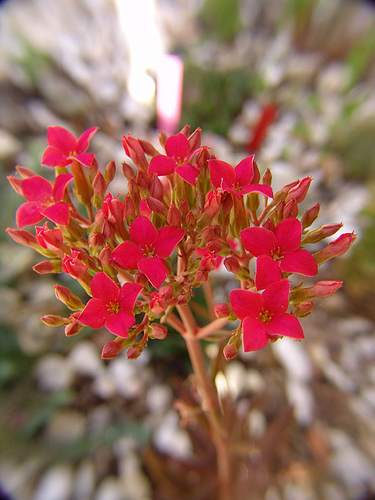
(148, 249)
(44, 200)
(110, 306)
(236, 180)
(264, 315)
(63, 147)
(177, 159)
(283, 245)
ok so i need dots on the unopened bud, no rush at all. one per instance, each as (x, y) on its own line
(73, 329)
(310, 216)
(156, 188)
(222, 310)
(99, 185)
(267, 177)
(299, 191)
(320, 289)
(128, 171)
(174, 217)
(54, 320)
(48, 266)
(68, 298)
(335, 248)
(112, 349)
(320, 233)
(232, 265)
(195, 139)
(110, 172)
(135, 351)
(156, 206)
(303, 309)
(290, 209)
(159, 331)
(190, 221)
(143, 179)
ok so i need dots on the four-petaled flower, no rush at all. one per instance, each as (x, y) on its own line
(63, 147)
(44, 200)
(177, 159)
(264, 315)
(148, 249)
(283, 245)
(111, 306)
(237, 180)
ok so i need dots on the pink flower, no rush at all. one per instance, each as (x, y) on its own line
(283, 245)
(177, 159)
(148, 249)
(63, 147)
(44, 200)
(236, 180)
(110, 306)
(264, 315)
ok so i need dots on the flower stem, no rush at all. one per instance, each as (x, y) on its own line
(209, 402)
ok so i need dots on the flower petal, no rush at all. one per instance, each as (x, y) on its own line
(36, 188)
(53, 157)
(103, 288)
(285, 325)
(258, 241)
(61, 182)
(246, 303)
(161, 165)
(61, 139)
(276, 297)
(267, 271)
(119, 323)
(57, 213)
(143, 233)
(128, 295)
(257, 188)
(154, 269)
(28, 213)
(245, 171)
(221, 173)
(84, 139)
(84, 158)
(168, 238)
(127, 255)
(178, 147)
(254, 334)
(94, 314)
(188, 172)
(301, 261)
(288, 235)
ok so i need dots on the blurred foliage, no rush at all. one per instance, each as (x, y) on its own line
(221, 18)
(213, 98)
(358, 270)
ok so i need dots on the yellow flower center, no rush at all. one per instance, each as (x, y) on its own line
(113, 307)
(265, 316)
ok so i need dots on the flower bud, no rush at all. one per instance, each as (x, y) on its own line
(73, 329)
(222, 310)
(310, 216)
(303, 309)
(232, 265)
(48, 266)
(23, 238)
(159, 331)
(190, 221)
(320, 233)
(290, 209)
(99, 185)
(267, 177)
(148, 148)
(195, 139)
(156, 188)
(174, 217)
(110, 172)
(299, 191)
(135, 351)
(112, 349)
(335, 248)
(54, 320)
(320, 289)
(16, 184)
(68, 298)
(143, 179)
(134, 150)
(156, 206)
(128, 171)
(184, 207)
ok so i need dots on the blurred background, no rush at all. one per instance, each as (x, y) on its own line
(292, 81)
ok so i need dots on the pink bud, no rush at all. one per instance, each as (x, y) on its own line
(143, 180)
(310, 216)
(195, 139)
(303, 309)
(335, 248)
(174, 217)
(232, 265)
(135, 351)
(48, 266)
(159, 331)
(222, 310)
(54, 320)
(299, 191)
(267, 177)
(128, 171)
(73, 329)
(68, 298)
(320, 233)
(16, 184)
(156, 206)
(110, 172)
(320, 289)
(99, 185)
(112, 349)
(290, 209)
(156, 188)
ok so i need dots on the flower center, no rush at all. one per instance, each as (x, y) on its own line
(149, 251)
(113, 307)
(265, 316)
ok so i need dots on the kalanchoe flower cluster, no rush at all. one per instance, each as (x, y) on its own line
(140, 254)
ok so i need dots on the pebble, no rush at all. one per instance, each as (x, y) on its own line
(55, 484)
(85, 359)
(111, 488)
(84, 480)
(170, 438)
(294, 358)
(54, 372)
(66, 426)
